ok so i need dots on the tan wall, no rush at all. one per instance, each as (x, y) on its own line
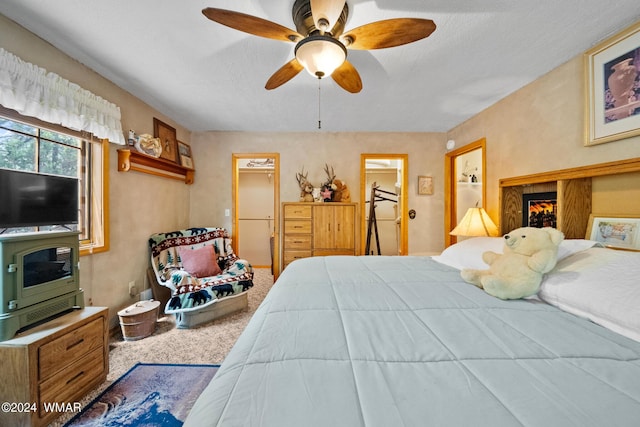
(139, 204)
(619, 194)
(538, 128)
(211, 193)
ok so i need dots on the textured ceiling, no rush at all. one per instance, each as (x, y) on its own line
(209, 77)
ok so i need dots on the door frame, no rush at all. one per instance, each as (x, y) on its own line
(235, 170)
(450, 187)
(403, 199)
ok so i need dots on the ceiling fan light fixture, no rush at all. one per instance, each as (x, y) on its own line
(320, 55)
(323, 25)
(326, 13)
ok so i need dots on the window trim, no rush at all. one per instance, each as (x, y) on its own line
(90, 246)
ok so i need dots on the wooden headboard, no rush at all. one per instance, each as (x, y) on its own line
(576, 189)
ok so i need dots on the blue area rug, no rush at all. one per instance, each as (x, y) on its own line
(147, 395)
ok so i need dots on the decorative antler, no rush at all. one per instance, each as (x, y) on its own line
(331, 175)
(301, 177)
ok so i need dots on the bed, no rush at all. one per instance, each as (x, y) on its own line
(403, 341)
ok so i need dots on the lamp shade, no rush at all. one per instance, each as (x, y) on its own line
(320, 55)
(475, 223)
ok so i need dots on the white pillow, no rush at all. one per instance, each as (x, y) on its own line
(468, 253)
(600, 284)
(571, 246)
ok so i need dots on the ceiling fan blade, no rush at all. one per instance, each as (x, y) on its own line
(284, 74)
(251, 24)
(347, 77)
(388, 33)
(330, 10)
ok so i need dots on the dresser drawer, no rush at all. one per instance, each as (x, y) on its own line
(70, 347)
(297, 212)
(297, 226)
(297, 241)
(64, 386)
(331, 252)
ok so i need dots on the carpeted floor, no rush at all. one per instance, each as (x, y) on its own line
(206, 344)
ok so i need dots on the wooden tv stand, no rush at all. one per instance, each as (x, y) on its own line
(59, 361)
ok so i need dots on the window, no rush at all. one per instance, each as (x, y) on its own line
(28, 144)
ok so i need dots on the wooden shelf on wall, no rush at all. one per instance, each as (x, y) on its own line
(129, 160)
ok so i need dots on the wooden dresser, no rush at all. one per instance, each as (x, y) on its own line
(59, 361)
(318, 229)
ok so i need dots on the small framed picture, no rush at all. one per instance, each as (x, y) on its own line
(425, 185)
(187, 162)
(615, 231)
(167, 135)
(184, 151)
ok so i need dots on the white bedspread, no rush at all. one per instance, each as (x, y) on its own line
(403, 341)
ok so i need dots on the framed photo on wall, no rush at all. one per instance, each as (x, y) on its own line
(168, 140)
(425, 185)
(612, 71)
(615, 231)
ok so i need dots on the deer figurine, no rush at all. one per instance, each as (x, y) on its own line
(306, 188)
(330, 175)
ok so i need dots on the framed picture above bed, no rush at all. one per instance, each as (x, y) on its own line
(615, 231)
(539, 209)
(612, 71)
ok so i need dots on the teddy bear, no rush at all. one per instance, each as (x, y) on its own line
(517, 273)
(341, 192)
(306, 192)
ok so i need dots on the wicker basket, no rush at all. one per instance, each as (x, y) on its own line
(139, 320)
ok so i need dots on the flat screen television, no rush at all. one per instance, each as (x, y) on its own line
(30, 199)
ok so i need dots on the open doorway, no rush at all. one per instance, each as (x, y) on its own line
(256, 198)
(384, 221)
(464, 184)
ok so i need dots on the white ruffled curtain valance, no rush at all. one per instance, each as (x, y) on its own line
(32, 91)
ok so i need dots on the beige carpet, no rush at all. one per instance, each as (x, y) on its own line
(207, 343)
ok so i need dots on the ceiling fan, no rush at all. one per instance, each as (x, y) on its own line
(321, 43)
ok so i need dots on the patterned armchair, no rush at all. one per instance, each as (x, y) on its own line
(199, 268)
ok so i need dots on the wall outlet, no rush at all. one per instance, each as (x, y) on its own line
(133, 291)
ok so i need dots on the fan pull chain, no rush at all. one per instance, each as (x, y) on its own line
(319, 92)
